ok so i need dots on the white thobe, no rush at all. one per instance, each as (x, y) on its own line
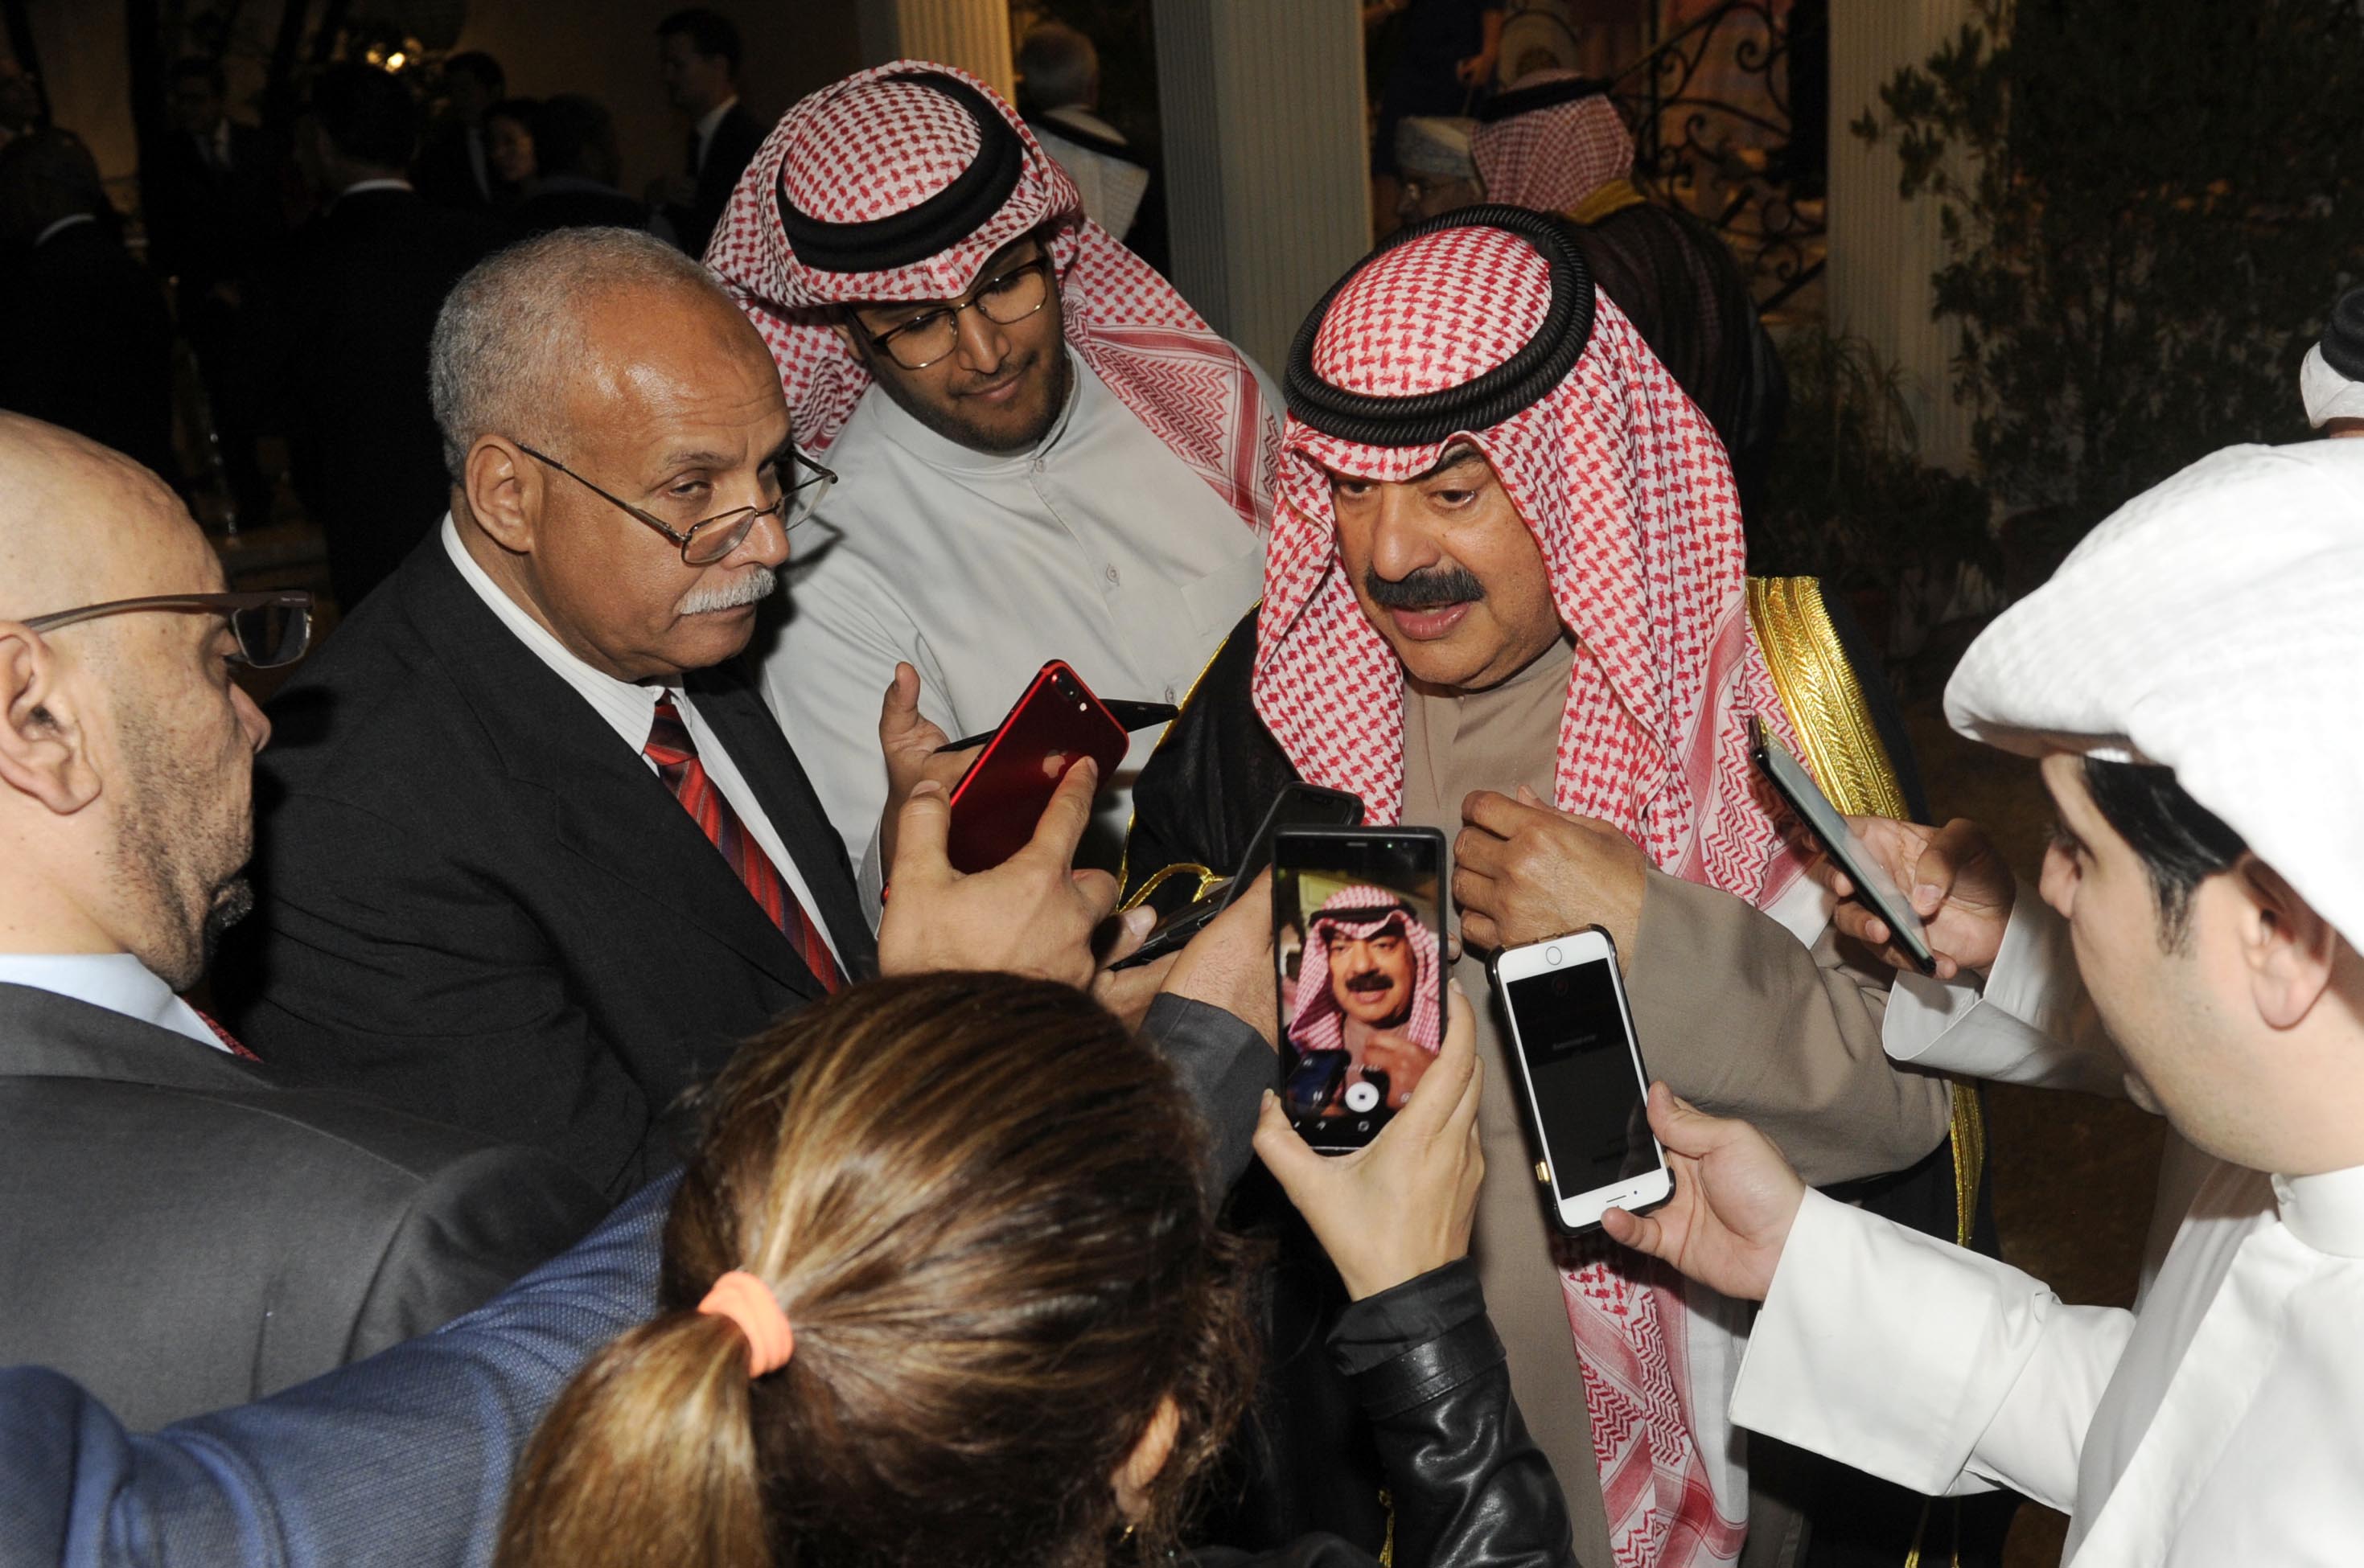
(2216, 1424)
(1100, 547)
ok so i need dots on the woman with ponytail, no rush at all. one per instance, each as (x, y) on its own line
(935, 1294)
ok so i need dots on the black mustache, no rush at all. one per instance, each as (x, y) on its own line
(1369, 980)
(1427, 590)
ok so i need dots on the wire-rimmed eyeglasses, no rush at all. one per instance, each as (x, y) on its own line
(1006, 298)
(273, 626)
(711, 538)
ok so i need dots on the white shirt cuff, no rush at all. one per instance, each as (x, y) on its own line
(2028, 1024)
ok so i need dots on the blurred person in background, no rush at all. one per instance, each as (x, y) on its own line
(508, 144)
(1059, 88)
(85, 341)
(698, 58)
(1554, 142)
(1440, 56)
(20, 101)
(456, 166)
(210, 196)
(365, 279)
(1434, 171)
(576, 162)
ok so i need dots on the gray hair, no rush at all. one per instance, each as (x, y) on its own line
(1058, 67)
(507, 329)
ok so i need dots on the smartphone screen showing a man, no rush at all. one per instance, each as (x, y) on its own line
(1358, 939)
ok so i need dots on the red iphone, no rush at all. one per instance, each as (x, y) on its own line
(1057, 723)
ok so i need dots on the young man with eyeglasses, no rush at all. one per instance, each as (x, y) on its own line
(186, 1227)
(538, 857)
(1042, 451)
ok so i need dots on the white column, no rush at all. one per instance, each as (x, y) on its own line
(1883, 247)
(1266, 174)
(971, 34)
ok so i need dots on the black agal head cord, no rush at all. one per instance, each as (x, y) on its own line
(1519, 382)
(936, 225)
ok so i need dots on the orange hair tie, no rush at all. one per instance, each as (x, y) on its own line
(749, 1302)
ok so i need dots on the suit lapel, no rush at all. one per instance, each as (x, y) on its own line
(729, 702)
(608, 805)
(45, 1035)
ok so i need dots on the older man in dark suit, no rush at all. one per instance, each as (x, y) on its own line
(541, 856)
(183, 1229)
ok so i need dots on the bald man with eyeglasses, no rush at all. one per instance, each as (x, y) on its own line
(536, 856)
(184, 1225)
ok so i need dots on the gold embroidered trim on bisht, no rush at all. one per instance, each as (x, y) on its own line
(1615, 196)
(1843, 750)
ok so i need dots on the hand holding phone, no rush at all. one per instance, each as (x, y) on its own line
(1031, 915)
(1954, 878)
(1735, 1201)
(1404, 1205)
(996, 803)
(1359, 956)
(1583, 1082)
(1863, 871)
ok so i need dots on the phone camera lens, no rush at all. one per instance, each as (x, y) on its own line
(1551, 955)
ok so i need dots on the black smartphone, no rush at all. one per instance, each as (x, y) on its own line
(1580, 1067)
(1853, 856)
(1296, 805)
(1358, 939)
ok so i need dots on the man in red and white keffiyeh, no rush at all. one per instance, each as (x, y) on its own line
(1368, 985)
(1506, 598)
(1550, 142)
(1039, 449)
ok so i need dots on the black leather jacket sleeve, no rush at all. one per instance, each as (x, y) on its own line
(1471, 1490)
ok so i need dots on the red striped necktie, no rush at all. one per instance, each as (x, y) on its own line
(675, 756)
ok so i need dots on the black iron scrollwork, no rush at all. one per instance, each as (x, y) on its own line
(1710, 108)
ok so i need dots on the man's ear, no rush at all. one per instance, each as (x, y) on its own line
(43, 743)
(2289, 950)
(504, 490)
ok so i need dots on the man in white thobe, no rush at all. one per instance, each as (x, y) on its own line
(1041, 452)
(2188, 679)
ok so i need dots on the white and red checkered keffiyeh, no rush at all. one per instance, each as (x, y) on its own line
(879, 143)
(1320, 1024)
(1550, 159)
(1630, 498)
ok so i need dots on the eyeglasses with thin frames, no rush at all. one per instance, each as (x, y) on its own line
(273, 626)
(1006, 298)
(711, 538)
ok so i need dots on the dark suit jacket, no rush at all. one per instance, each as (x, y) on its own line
(395, 1461)
(479, 904)
(444, 172)
(207, 225)
(364, 282)
(578, 203)
(86, 342)
(735, 142)
(185, 1233)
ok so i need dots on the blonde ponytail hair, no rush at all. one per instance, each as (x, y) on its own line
(978, 1198)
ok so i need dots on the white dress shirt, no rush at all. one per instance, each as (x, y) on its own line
(2223, 1424)
(631, 711)
(1098, 547)
(116, 981)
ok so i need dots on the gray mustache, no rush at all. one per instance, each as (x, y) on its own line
(747, 588)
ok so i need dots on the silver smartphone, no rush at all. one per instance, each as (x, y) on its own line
(1582, 1075)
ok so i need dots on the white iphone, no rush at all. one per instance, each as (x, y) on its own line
(1581, 1069)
